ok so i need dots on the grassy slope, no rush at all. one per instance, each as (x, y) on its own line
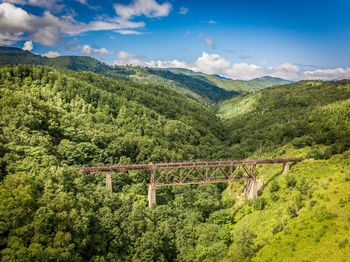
(322, 223)
(316, 210)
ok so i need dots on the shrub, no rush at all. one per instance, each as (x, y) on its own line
(323, 214)
(243, 246)
(275, 197)
(292, 211)
(276, 229)
(274, 186)
(344, 243)
(291, 180)
(302, 141)
(259, 203)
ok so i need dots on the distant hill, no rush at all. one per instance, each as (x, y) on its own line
(235, 85)
(203, 88)
(198, 89)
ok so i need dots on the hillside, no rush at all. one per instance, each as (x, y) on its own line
(304, 113)
(304, 215)
(53, 120)
(240, 86)
(195, 88)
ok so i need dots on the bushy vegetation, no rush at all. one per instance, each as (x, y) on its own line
(52, 121)
(307, 113)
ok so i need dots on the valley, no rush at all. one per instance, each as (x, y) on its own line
(61, 113)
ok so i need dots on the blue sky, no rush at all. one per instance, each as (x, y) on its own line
(239, 39)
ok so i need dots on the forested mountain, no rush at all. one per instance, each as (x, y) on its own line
(304, 113)
(203, 88)
(53, 120)
(198, 89)
(240, 86)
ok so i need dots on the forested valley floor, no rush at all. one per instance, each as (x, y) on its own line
(52, 120)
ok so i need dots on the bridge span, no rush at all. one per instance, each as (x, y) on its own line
(196, 172)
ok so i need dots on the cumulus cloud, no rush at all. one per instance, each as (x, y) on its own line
(28, 46)
(51, 54)
(125, 58)
(183, 10)
(86, 49)
(52, 5)
(212, 22)
(148, 8)
(48, 28)
(215, 64)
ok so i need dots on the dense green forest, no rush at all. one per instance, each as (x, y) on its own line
(200, 87)
(305, 113)
(52, 120)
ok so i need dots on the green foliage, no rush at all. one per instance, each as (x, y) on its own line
(290, 180)
(274, 186)
(50, 119)
(243, 245)
(343, 243)
(259, 203)
(195, 87)
(305, 113)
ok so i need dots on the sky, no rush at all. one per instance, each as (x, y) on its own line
(238, 39)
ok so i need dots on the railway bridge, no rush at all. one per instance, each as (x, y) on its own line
(198, 172)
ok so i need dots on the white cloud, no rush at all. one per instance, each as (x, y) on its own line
(28, 46)
(148, 8)
(212, 22)
(215, 64)
(210, 42)
(338, 73)
(51, 54)
(128, 32)
(86, 49)
(183, 10)
(51, 5)
(125, 58)
(48, 29)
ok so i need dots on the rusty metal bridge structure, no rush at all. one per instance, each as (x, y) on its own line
(198, 172)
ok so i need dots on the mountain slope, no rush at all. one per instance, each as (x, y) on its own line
(202, 91)
(240, 86)
(52, 120)
(305, 113)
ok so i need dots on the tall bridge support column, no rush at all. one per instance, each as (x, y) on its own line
(151, 195)
(285, 168)
(251, 189)
(151, 191)
(108, 181)
(252, 185)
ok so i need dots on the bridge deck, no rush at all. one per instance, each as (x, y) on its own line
(179, 165)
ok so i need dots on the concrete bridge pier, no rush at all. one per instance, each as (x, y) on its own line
(251, 189)
(285, 168)
(108, 181)
(151, 194)
(151, 190)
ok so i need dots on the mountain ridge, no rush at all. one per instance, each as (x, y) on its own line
(203, 88)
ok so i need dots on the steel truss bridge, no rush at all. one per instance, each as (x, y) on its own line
(199, 172)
